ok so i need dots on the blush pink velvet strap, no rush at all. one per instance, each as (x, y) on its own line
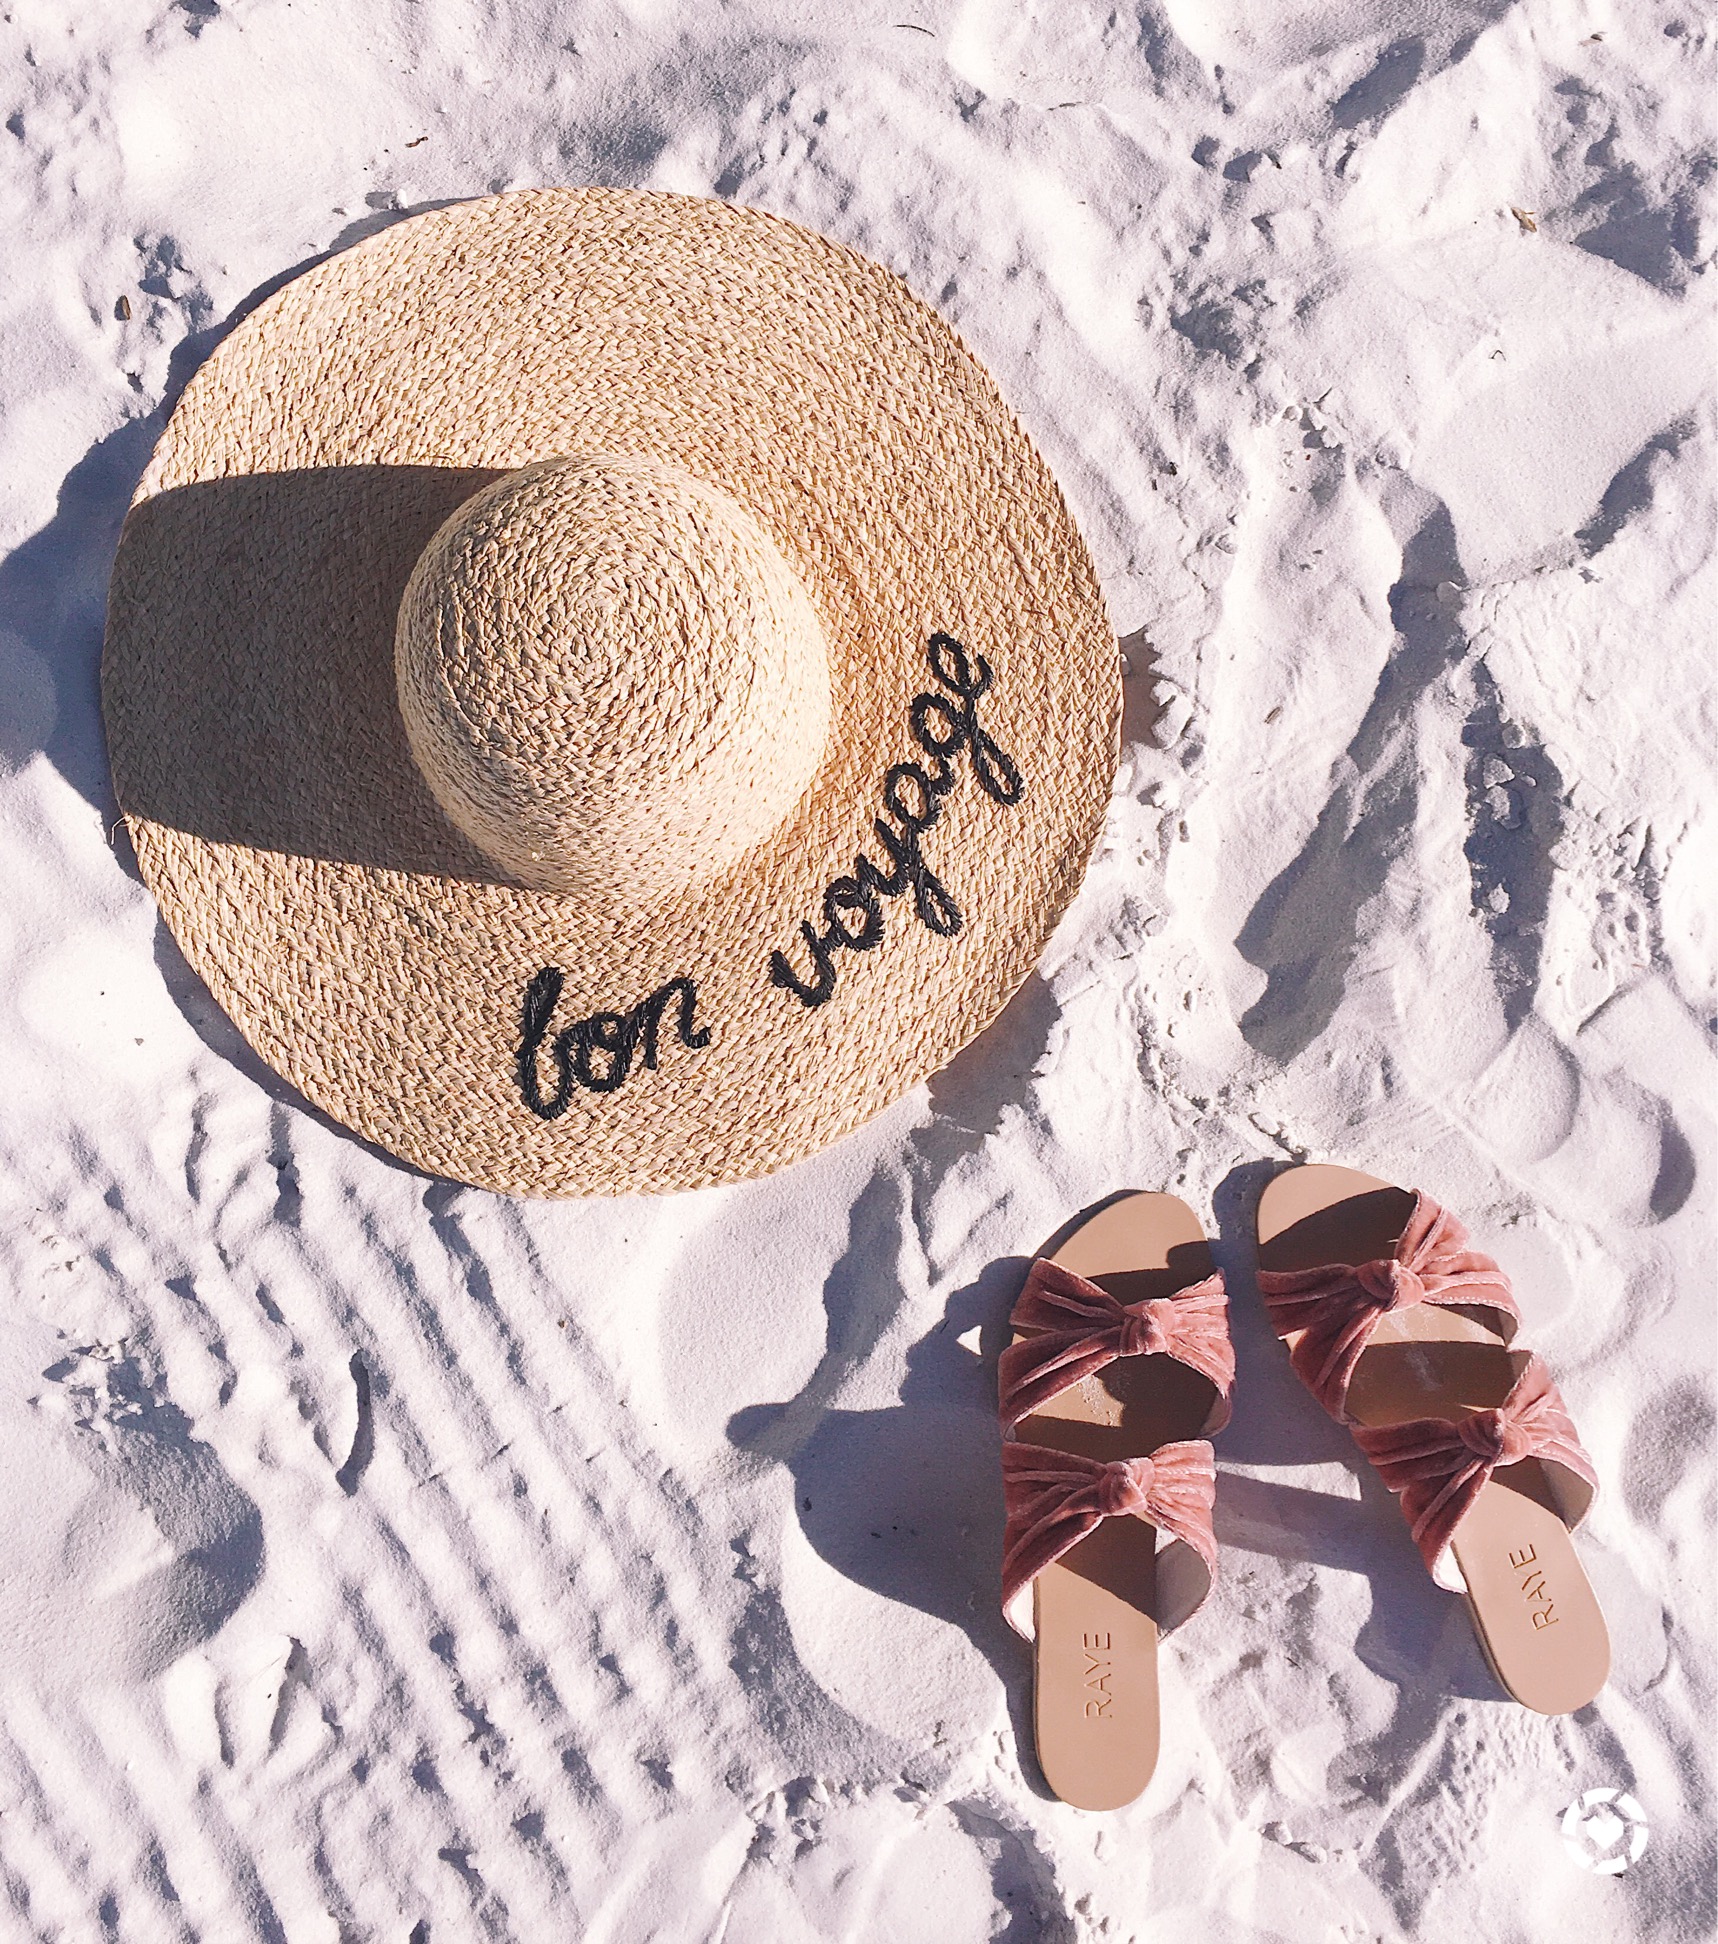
(1439, 1466)
(1055, 1498)
(1337, 1306)
(1074, 1328)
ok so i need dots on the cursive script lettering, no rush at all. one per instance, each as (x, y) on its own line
(912, 800)
(595, 1053)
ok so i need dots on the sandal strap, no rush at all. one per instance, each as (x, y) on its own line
(1439, 1466)
(1055, 1498)
(1337, 1306)
(1077, 1328)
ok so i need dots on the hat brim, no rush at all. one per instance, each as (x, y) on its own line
(363, 946)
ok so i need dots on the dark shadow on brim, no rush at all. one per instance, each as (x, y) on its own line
(53, 584)
(248, 677)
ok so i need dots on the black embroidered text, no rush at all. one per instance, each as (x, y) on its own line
(912, 798)
(596, 1053)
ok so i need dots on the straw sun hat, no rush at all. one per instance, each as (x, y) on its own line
(604, 691)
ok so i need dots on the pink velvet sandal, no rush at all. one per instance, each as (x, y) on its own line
(1403, 1333)
(1120, 1364)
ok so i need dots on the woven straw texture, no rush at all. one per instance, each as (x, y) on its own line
(791, 476)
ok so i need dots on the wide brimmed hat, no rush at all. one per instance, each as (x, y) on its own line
(605, 693)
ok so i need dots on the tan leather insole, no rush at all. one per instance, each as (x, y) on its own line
(1095, 1609)
(1533, 1609)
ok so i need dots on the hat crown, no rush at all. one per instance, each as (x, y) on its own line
(611, 679)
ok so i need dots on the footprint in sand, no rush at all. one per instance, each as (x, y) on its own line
(138, 1545)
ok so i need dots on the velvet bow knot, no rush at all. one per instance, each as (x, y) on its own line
(1055, 1498)
(1331, 1311)
(1123, 1488)
(1495, 1438)
(1141, 1332)
(1075, 1327)
(1440, 1466)
(1389, 1284)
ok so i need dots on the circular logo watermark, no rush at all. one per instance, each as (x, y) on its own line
(1605, 1830)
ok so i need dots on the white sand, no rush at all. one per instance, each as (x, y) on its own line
(386, 1559)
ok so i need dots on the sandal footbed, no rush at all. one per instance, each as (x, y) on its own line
(1095, 1703)
(1533, 1608)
